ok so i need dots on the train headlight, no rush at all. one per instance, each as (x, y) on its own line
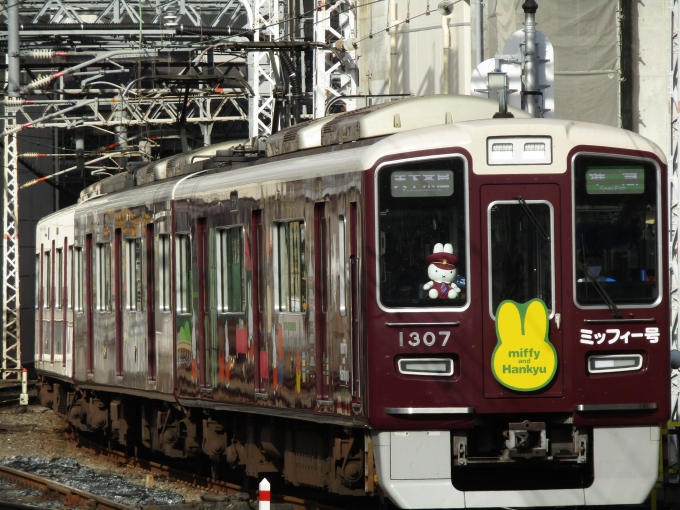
(426, 366)
(614, 363)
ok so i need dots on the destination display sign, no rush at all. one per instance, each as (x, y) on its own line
(620, 180)
(422, 183)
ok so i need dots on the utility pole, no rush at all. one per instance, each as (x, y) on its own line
(531, 90)
(11, 347)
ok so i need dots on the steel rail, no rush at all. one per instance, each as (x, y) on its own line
(69, 495)
(194, 479)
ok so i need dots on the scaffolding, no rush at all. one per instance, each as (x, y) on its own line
(182, 66)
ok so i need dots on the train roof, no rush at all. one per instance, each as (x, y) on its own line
(473, 136)
(55, 226)
(364, 124)
(383, 120)
(355, 140)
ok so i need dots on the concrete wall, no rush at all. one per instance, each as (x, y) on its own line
(419, 48)
(650, 71)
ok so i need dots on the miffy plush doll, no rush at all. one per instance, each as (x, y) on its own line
(442, 272)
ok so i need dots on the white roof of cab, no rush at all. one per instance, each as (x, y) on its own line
(472, 136)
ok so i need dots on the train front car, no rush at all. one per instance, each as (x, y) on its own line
(518, 314)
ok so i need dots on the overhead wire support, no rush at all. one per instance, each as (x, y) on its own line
(77, 47)
(11, 325)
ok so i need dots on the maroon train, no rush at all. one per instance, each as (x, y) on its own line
(413, 300)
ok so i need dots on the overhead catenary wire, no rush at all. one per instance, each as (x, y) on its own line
(407, 20)
(202, 30)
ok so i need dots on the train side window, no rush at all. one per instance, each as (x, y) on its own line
(183, 267)
(77, 288)
(133, 274)
(37, 281)
(102, 279)
(520, 253)
(290, 270)
(230, 270)
(342, 246)
(58, 278)
(69, 278)
(617, 222)
(422, 208)
(163, 271)
(47, 280)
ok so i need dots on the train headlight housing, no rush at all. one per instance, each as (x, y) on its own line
(524, 150)
(426, 366)
(601, 364)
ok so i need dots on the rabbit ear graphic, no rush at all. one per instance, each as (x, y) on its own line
(536, 321)
(508, 322)
(524, 359)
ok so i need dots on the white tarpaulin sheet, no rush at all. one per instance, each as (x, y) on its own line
(584, 35)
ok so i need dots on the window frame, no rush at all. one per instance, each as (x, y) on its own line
(304, 290)
(163, 260)
(133, 275)
(69, 276)
(47, 279)
(551, 208)
(342, 264)
(38, 279)
(58, 278)
(183, 274)
(466, 207)
(77, 279)
(659, 233)
(103, 279)
(222, 272)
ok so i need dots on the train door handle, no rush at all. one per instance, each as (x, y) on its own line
(558, 320)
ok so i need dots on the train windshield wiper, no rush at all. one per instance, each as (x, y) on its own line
(603, 293)
(531, 216)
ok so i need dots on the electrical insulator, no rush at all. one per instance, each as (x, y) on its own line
(41, 53)
(40, 82)
(13, 101)
(34, 155)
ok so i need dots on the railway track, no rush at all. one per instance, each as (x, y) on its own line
(57, 491)
(283, 502)
(11, 390)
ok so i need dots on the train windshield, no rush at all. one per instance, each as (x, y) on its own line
(616, 230)
(421, 234)
(521, 257)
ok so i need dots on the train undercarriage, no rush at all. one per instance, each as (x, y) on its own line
(336, 458)
(534, 461)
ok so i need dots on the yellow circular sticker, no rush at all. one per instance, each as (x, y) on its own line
(524, 359)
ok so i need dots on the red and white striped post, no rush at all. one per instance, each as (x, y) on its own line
(264, 495)
(23, 397)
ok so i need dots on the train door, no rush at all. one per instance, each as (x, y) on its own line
(150, 303)
(38, 306)
(321, 291)
(521, 247)
(256, 253)
(118, 303)
(56, 302)
(42, 301)
(59, 304)
(354, 307)
(49, 305)
(66, 300)
(203, 259)
(89, 302)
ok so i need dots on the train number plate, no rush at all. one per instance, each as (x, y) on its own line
(427, 338)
